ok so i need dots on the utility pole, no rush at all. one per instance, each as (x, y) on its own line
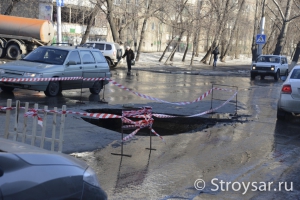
(262, 27)
(59, 4)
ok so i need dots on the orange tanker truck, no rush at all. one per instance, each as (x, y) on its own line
(19, 35)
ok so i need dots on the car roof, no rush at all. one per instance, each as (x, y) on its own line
(273, 55)
(68, 48)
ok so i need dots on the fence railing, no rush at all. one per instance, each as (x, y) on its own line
(39, 133)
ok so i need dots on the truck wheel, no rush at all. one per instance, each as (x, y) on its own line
(2, 52)
(96, 89)
(53, 89)
(14, 52)
(277, 75)
(7, 89)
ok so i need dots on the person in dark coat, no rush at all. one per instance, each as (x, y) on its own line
(129, 57)
(215, 52)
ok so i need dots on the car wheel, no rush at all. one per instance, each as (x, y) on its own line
(262, 77)
(281, 114)
(53, 89)
(14, 52)
(252, 76)
(97, 87)
(7, 89)
(277, 75)
(109, 62)
(2, 52)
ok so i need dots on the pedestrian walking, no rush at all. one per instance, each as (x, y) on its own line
(129, 57)
(215, 52)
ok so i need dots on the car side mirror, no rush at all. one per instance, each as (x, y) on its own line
(71, 62)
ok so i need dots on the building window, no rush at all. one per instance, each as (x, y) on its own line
(118, 2)
(128, 1)
(73, 15)
(153, 26)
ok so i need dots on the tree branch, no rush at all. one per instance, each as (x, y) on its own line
(279, 9)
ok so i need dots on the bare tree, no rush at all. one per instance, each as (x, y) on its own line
(91, 20)
(226, 48)
(286, 19)
(222, 10)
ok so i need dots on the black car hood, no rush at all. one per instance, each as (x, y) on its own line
(37, 156)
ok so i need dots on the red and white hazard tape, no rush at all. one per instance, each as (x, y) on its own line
(34, 113)
(39, 79)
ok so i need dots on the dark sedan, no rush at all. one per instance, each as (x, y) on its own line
(28, 172)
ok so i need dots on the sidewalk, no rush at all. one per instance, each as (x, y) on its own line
(149, 62)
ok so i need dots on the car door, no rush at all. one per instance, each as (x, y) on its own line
(89, 67)
(73, 70)
(102, 66)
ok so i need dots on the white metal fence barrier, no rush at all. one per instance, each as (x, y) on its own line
(39, 134)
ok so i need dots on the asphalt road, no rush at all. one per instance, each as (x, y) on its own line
(254, 148)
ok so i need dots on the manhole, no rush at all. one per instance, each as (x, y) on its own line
(166, 126)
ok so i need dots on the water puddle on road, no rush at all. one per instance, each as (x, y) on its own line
(165, 126)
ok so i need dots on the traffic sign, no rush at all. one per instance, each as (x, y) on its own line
(260, 39)
(60, 3)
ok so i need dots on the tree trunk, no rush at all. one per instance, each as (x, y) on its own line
(187, 47)
(295, 57)
(111, 22)
(223, 55)
(167, 47)
(143, 32)
(11, 7)
(282, 36)
(141, 39)
(254, 47)
(218, 34)
(90, 24)
(237, 54)
(174, 50)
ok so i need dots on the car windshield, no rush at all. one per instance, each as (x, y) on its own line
(295, 74)
(269, 59)
(47, 55)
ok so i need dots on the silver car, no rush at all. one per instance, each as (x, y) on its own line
(28, 172)
(52, 62)
(289, 100)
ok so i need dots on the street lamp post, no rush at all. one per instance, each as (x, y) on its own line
(59, 4)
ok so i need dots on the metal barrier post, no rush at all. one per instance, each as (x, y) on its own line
(122, 136)
(80, 101)
(150, 142)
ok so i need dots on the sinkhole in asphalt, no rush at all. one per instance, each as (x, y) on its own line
(166, 126)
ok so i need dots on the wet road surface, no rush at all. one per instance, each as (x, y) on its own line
(256, 149)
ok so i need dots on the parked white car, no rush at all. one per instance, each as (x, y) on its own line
(110, 50)
(289, 100)
(270, 65)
